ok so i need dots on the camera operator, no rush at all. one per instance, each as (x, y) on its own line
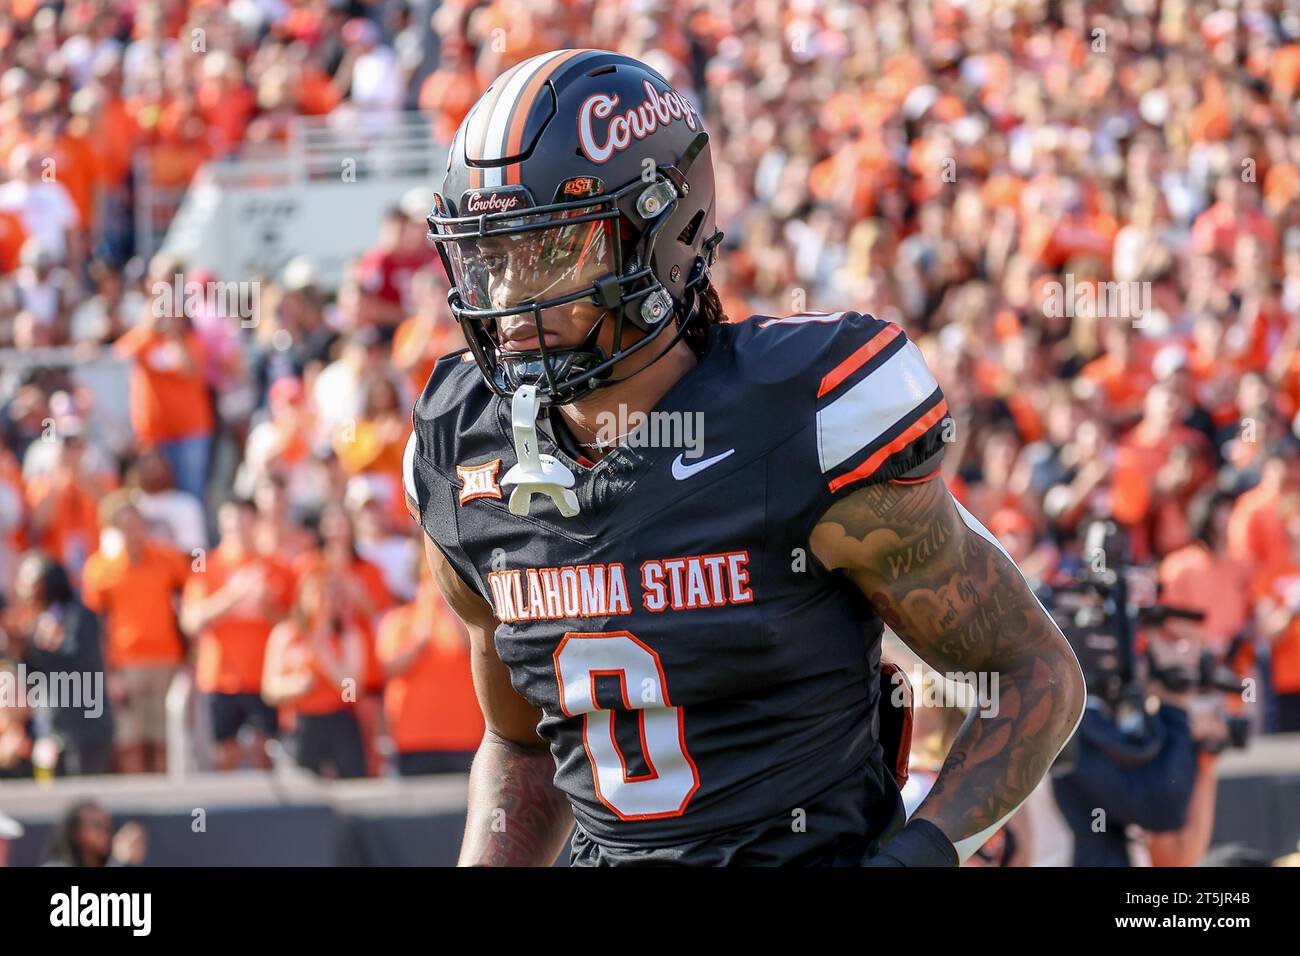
(1211, 733)
(1134, 765)
(1141, 768)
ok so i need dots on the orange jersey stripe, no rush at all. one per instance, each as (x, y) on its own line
(859, 358)
(914, 431)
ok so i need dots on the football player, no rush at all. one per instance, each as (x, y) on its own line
(674, 539)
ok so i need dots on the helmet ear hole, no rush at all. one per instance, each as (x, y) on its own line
(687, 236)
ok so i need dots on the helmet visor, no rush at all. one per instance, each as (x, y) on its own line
(511, 269)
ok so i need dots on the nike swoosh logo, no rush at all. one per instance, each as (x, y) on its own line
(682, 471)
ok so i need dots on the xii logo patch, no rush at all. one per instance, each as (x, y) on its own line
(479, 481)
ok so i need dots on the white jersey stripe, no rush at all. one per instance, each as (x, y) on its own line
(873, 406)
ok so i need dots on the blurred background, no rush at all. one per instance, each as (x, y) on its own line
(217, 306)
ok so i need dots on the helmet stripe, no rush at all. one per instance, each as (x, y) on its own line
(476, 129)
(498, 122)
(477, 138)
(524, 106)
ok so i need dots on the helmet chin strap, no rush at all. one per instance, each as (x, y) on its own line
(530, 367)
(535, 473)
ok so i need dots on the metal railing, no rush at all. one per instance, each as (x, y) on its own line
(344, 146)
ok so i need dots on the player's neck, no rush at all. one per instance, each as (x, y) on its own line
(588, 419)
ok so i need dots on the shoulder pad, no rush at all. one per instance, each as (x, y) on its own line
(879, 411)
(781, 349)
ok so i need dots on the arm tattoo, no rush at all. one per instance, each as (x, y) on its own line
(517, 817)
(963, 607)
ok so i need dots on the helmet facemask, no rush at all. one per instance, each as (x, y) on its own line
(523, 262)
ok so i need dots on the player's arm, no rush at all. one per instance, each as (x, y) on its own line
(953, 595)
(516, 816)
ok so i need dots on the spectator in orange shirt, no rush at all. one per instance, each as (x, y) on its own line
(429, 703)
(1277, 619)
(117, 131)
(1036, 558)
(994, 489)
(376, 444)
(1204, 577)
(1255, 531)
(224, 101)
(361, 591)
(314, 664)
(449, 91)
(1121, 375)
(363, 597)
(12, 237)
(178, 156)
(69, 146)
(170, 406)
(133, 581)
(231, 605)
(1235, 212)
(427, 335)
(278, 533)
(64, 504)
(1160, 465)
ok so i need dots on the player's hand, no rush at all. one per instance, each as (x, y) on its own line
(920, 843)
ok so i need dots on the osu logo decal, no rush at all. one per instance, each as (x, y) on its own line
(580, 186)
(479, 481)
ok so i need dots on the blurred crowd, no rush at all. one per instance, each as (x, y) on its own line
(981, 173)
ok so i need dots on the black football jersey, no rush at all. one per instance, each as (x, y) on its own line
(708, 690)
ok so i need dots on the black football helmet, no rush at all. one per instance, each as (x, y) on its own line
(579, 174)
